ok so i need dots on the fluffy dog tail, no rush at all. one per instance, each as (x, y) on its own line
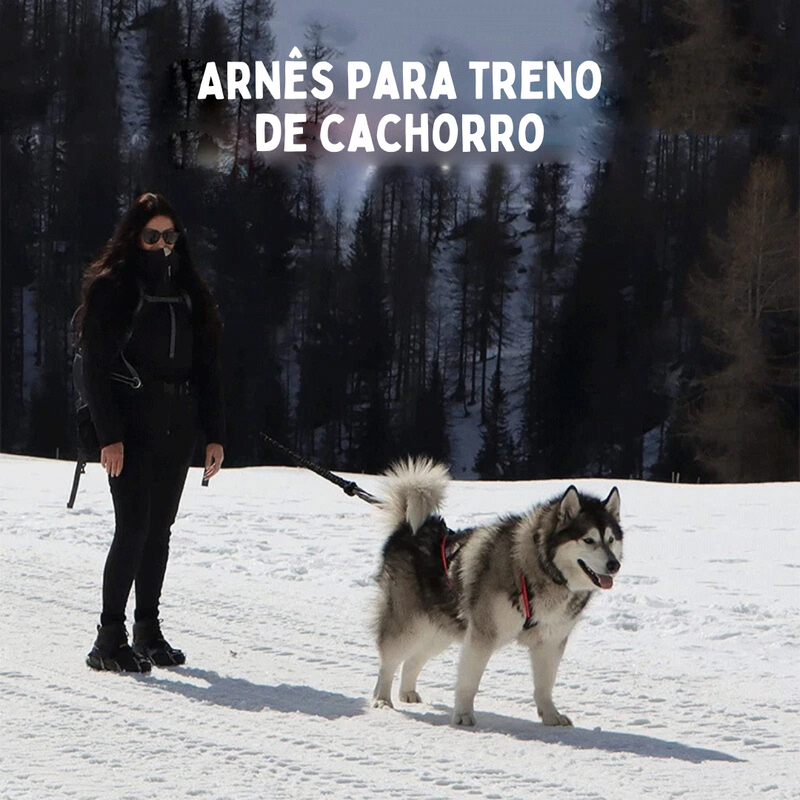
(416, 489)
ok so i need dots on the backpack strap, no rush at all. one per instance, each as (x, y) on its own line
(132, 379)
(155, 298)
(136, 311)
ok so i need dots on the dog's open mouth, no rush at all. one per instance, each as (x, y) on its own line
(602, 581)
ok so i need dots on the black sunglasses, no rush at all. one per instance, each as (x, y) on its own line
(151, 235)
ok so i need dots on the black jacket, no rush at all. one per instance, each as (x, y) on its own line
(165, 342)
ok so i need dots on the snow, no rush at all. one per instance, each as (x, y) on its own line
(133, 85)
(681, 680)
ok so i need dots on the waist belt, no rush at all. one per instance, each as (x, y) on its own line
(181, 388)
(133, 380)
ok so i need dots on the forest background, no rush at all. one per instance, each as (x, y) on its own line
(630, 310)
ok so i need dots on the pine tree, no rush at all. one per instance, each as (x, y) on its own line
(496, 248)
(700, 88)
(548, 192)
(429, 430)
(253, 41)
(323, 364)
(496, 460)
(316, 50)
(742, 430)
(369, 346)
(463, 280)
(580, 399)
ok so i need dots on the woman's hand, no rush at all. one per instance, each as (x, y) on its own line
(215, 455)
(111, 457)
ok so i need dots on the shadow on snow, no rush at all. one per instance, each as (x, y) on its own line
(242, 695)
(579, 738)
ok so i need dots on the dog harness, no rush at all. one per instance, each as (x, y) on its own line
(451, 544)
(449, 548)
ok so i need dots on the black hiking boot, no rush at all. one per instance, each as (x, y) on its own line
(112, 652)
(149, 642)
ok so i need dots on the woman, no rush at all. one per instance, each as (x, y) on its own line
(149, 334)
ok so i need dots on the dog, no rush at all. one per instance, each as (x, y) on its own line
(527, 577)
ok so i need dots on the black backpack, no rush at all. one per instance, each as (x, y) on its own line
(86, 435)
(88, 441)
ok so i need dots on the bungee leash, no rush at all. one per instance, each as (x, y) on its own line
(350, 488)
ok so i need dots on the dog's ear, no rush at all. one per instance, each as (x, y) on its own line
(570, 505)
(612, 503)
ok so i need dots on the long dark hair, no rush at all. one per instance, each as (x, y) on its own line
(121, 251)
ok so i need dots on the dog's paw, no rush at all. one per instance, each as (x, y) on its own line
(467, 719)
(554, 718)
(380, 702)
(410, 697)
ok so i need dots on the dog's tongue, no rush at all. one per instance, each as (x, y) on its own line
(606, 581)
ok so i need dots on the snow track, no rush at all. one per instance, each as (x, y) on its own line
(681, 681)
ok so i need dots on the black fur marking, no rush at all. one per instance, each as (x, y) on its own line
(550, 569)
(420, 553)
(578, 602)
(454, 541)
(515, 598)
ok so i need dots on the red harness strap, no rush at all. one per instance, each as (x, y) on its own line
(444, 558)
(449, 548)
(529, 623)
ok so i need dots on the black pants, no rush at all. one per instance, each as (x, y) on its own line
(146, 497)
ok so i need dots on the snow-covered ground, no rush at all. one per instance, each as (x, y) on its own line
(681, 681)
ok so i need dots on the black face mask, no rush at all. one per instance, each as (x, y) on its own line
(154, 266)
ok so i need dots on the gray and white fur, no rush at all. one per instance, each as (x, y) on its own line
(566, 549)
